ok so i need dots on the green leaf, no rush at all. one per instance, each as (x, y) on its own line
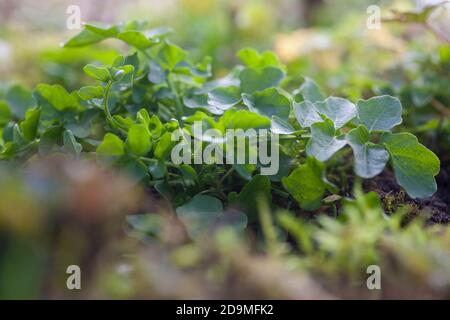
(199, 100)
(134, 168)
(138, 139)
(19, 100)
(111, 146)
(306, 113)
(170, 55)
(250, 195)
(164, 146)
(121, 73)
(338, 110)
(189, 175)
(224, 97)
(324, 142)
(18, 138)
(5, 113)
(200, 214)
(98, 73)
(200, 70)
(90, 92)
(306, 184)
(253, 59)
(143, 117)
(414, 165)
(281, 126)
(125, 122)
(269, 102)
(156, 74)
(104, 30)
(310, 91)
(71, 145)
(137, 39)
(49, 139)
(83, 38)
(91, 34)
(243, 119)
(380, 113)
(370, 159)
(249, 56)
(157, 168)
(245, 171)
(57, 97)
(259, 79)
(29, 126)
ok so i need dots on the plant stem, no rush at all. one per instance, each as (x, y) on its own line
(108, 115)
(178, 104)
(292, 137)
(170, 84)
(226, 174)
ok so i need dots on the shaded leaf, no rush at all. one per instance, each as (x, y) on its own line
(19, 100)
(71, 146)
(259, 79)
(268, 102)
(324, 142)
(281, 126)
(170, 55)
(370, 159)
(310, 91)
(247, 200)
(306, 113)
(157, 168)
(380, 113)
(30, 125)
(224, 97)
(414, 165)
(306, 184)
(338, 110)
(200, 214)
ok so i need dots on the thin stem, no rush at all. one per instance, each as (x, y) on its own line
(168, 163)
(114, 124)
(105, 103)
(226, 174)
(170, 84)
(441, 108)
(178, 104)
(292, 137)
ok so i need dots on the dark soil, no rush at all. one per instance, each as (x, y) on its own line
(435, 209)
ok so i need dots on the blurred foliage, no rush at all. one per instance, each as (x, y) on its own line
(293, 258)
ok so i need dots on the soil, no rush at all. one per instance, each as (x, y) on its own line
(435, 209)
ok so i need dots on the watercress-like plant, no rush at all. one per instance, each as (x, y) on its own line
(127, 115)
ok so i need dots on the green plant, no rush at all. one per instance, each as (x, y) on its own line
(128, 115)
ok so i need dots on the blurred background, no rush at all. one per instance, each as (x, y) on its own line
(51, 217)
(309, 35)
